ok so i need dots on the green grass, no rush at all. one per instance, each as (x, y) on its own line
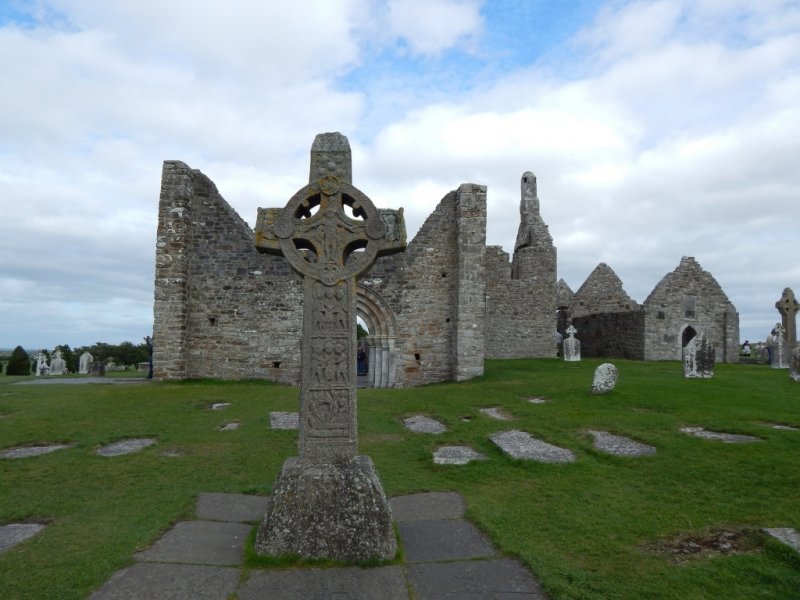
(583, 528)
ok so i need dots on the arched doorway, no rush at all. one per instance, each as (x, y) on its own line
(687, 335)
(378, 318)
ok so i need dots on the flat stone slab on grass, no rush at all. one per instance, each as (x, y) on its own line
(284, 420)
(422, 424)
(787, 535)
(619, 445)
(220, 405)
(199, 542)
(537, 400)
(456, 455)
(497, 413)
(502, 578)
(519, 444)
(125, 447)
(784, 427)
(16, 533)
(233, 426)
(728, 438)
(353, 583)
(443, 540)
(428, 506)
(240, 508)
(28, 451)
(169, 582)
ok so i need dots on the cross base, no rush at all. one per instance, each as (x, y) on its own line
(333, 511)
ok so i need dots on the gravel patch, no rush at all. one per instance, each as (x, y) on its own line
(422, 424)
(619, 445)
(519, 444)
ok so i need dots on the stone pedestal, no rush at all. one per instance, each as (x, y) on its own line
(328, 511)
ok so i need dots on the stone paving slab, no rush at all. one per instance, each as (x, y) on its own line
(170, 582)
(29, 451)
(519, 444)
(428, 506)
(500, 579)
(440, 540)
(125, 447)
(16, 533)
(728, 438)
(199, 542)
(456, 455)
(284, 420)
(423, 424)
(619, 445)
(240, 508)
(352, 583)
(497, 413)
(787, 535)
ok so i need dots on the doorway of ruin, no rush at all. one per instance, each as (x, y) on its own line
(378, 319)
(687, 334)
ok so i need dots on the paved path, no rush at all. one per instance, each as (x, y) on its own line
(445, 557)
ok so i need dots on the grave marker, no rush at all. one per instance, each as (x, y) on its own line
(572, 346)
(788, 306)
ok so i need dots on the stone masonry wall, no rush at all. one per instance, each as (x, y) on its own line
(689, 297)
(611, 335)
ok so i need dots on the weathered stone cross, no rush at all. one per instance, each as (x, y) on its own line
(328, 503)
(788, 308)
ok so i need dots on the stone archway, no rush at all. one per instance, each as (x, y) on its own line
(687, 334)
(379, 319)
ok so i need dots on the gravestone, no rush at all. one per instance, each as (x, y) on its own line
(328, 502)
(794, 365)
(779, 347)
(572, 346)
(85, 363)
(605, 379)
(788, 306)
(58, 366)
(42, 368)
(698, 358)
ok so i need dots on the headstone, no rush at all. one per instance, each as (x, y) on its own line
(698, 358)
(721, 436)
(788, 307)
(125, 447)
(619, 445)
(42, 368)
(328, 502)
(779, 347)
(572, 346)
(794, 365)
(423, 424)
(85, 363)
(521, 445)
(58, 366)
(605, 379)
(456, 455)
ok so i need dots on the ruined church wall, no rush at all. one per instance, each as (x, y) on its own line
(520, 313)
(611, 335)
(689, 296)
(222, 310)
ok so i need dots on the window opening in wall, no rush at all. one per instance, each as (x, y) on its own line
(687, 336)
(660, 315)
(689, 306)
(362, 348)
(212, 321)
(416, 355)
(276, 364)
(444, 275)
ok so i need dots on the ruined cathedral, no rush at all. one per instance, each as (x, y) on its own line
(433, 312)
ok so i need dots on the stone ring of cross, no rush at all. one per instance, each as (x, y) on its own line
(320, 240)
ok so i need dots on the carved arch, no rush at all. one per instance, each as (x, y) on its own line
(379, 319)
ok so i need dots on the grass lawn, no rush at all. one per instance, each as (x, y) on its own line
(602, 527)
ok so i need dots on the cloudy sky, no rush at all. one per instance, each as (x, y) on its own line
(656, 129)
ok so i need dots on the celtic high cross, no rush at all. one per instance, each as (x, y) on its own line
(329, 232)
(328, 502)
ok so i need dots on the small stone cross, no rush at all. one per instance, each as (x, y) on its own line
(788, 307)
(571, 331)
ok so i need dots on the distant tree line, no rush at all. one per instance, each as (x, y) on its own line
(19, 362)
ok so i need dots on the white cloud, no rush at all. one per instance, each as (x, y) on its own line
(432, 26)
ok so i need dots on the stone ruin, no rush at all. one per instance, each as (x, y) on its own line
(434, 312)
(686, 301)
